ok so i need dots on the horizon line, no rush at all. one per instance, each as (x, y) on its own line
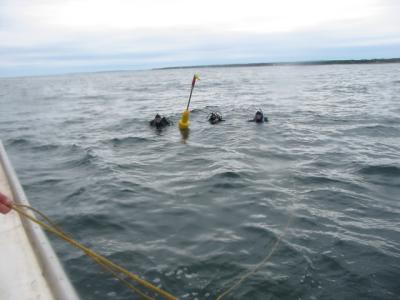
(292, 63)
(232, 65)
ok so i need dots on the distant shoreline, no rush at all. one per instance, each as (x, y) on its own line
(236, 65)
(300, 63)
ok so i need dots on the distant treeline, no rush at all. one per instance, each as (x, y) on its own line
(300, 63)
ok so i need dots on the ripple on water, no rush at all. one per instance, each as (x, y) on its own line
(193, 215)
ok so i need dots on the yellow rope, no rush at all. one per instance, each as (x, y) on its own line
(101, 260)
(259, 265)
(117, 270)
(124, 281)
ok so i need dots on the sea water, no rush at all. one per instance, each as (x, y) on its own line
(193, 213)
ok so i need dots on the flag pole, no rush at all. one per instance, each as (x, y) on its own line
(184, 122)
(191, 90)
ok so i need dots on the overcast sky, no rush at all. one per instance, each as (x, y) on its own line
(58, 36)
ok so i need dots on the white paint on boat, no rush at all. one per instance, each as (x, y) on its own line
(29, 268)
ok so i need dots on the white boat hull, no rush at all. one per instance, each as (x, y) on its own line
(29, 267)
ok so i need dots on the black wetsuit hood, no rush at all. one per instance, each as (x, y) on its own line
(214, 118)
(259, 117)
(159, 122)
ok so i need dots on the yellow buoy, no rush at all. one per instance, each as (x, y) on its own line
(184, 121)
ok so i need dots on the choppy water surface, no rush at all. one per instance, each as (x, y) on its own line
(191, 216)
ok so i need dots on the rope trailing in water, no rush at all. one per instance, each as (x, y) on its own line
(259, 265)
(117, 270)
(108, 265)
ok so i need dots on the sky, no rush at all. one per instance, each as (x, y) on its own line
(40, 37)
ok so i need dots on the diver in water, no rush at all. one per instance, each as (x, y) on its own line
(159, 122)
(259, 117)
(214, 118)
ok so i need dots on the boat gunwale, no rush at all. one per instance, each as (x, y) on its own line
(51, 268)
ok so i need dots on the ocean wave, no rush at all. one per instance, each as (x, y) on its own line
(377, 130)
(46, 147)
(50, 181)
(319, 179)
(126, 141)
(383, 170)
(74, 194)
(227, 174)
(79, 158)
(15, 142)
(225, 180)
(32, 145)
(89, 221)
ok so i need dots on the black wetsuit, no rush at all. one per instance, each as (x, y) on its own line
(215, 118)
(260, 120)
(163, 123)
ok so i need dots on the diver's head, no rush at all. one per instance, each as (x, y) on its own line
(157, 119)
(259, 117)
(212, 117)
